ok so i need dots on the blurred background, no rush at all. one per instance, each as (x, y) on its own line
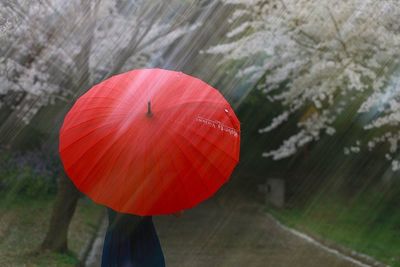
(315, 85)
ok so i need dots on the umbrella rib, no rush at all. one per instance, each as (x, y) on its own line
(96, 107)
(87, 134)
(117, 101)
(188, 159)
(92, 146)
(87, 98)
(198, 151)
(208, 141)
(179, 105)
(159, 158)
(118, 155)
(153, 156)
(141, 181)
(186, 196)
(142, 185)
(105, 153)
(92, 119)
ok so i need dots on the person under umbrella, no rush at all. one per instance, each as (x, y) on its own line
(143, 143)
(131, 241)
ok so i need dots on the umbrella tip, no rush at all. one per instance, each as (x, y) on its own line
(149, 113)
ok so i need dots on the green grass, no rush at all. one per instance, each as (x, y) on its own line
(23, 225)
(369, 223)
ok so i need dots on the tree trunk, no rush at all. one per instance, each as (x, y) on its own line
(67, 196)
(63, 210)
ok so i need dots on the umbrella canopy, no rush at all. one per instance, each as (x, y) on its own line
(150, 142)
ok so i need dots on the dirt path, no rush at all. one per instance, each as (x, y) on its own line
(231, 230)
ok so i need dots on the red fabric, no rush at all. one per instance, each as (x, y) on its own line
(150, 165)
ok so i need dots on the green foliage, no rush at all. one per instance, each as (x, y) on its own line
(24, 223)
(367, 222)
(25, 182)
(56, 259)
(25, 177)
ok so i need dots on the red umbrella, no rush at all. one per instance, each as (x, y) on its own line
(150, 142)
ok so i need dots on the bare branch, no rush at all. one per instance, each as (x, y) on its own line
(339, 35)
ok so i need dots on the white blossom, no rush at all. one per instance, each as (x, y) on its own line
(395, 165)
(47, 53)
(276, 122)
(321, 53)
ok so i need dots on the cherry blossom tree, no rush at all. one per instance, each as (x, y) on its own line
(56, 50)
(328, 55)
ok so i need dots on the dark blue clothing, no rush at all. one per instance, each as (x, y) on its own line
(131, 241)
